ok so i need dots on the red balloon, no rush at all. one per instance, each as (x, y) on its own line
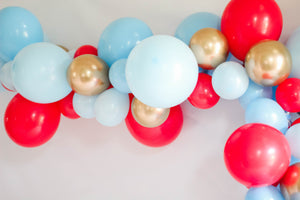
(30, 124)
(204, 96)
(288, 94)
(246, 22)
(257, 155)
(86, 49)
(66, 107)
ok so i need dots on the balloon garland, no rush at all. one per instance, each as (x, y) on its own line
(143, 78)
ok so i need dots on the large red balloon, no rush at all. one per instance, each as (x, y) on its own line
(204, 96)
(66, 107)
(288, 95)
(246, 22)
(257, 155)
(30, 124)
(86, 49)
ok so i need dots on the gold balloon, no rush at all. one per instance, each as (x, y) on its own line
(63, 47)
(268, 63)
(210, 47)
(148, 116)
(88, 75)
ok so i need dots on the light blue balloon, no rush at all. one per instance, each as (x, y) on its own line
(161, 71)
(6, 76)
(293, 137)
(111, 107)
(230, 80)
(119, 38)
(295, 196)
(190, 25)
(267, 111)
(294, 160)
(117, 76)
(18, 28)
(39, 72)
(253, 92)
(84, 105)
(293, 45)
(264, 193)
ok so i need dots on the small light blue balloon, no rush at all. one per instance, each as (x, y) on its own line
(294, 160)
(39, 73)
(253, 92)
(264, 193)
(293, 137)
(267, 111)
(293, 45)
(84, 105)
(295, 196)
(117, 76)
(111, 107)
(119, 38)
(18, 28)
(190, 25)
(230, 80)
(6, 76)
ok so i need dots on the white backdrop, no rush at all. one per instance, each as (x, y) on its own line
(86, 160)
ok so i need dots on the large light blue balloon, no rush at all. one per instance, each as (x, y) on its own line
(117, 76)
(119, 38)
(293, 45)
(293, 137)
(264, 193)
(18, 28)
(161, 71)
(6, 76)
(111, 107)
(39, 72)
(84, 105)
(190, 25)
(230, 80)
(267, 111)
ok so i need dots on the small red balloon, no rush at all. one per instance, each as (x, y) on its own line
(30, 124)
(257, 155)
(86, 49)
(66, 107)
(288, 95)
(204, 96)
(247, 22)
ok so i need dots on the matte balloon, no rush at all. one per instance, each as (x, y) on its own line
(84, 105)
(86, 49)
(161, 71)
(293, 137)
(293, 45)
(66, 107)
(117, 76)
(18, 28)
(119, 38)
(191, 24)
(290, 182)
(6, 77)
(39, 73)
(264, 193)
(288, 95)
(30, 124)
(257, 155)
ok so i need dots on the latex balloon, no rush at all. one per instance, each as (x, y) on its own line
(30, 124)
(288, 95)
(66, 107)
(210, 47)
(293, 137)
(290, 182)
(119, 38)
(257, 155)
(161, 71)
(117, 76)
(88, 75)
(297, 121)
(63, 47)
(18, 28)
(246, 22)
(268, 63)
(264, 193)
(86, 49)
(84, 105)
(204, 96)
(39, 72)
(6, 77)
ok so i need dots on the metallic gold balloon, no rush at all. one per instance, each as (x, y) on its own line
(290, 183)
(148, 116)
(268, 63)
(88, 75)
(63, 47)
(210, 47)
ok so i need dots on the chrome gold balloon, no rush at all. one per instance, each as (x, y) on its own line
(290, 183)
(148, 116)
(268, 63)
(88, 75)
(210, 47)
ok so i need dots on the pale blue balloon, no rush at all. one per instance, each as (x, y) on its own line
(294, 160)
(120, 37)
(190, 25)
(293, 45)
(295, 196)
(111, 107)
(293, 137)
(18, 28)
(161, 71)
(6, 76)
(230, 80)
(39, 72)
(264, 193)
(117, 76)
(253, 92)
(267, 111)
(84, 105)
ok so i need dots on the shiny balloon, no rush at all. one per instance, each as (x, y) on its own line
(268, 63)
(88, 75)
(66, 107)
(293, 137)
(290, 182)
(264, 193)
(86, 49)
(210, 47)
(288, 95)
